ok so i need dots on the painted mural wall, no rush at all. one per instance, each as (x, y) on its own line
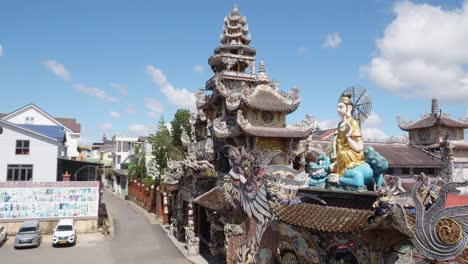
(48, 200)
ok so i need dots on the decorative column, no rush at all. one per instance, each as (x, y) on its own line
(193, 242)
(66, 176)
(217, 238)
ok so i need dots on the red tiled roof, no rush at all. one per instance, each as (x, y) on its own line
(455, 199)
(213, 199)
(323, 134)
(70, 123)
(404, 155)
(397, 154)
(322, 218)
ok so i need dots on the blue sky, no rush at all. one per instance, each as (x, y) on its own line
(117, 65)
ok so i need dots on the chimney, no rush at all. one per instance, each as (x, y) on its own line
(66, 176)
(435, 107)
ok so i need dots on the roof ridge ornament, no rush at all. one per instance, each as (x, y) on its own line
(262, 76)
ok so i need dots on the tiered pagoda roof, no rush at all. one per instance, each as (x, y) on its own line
(266, 97)
(235, 29)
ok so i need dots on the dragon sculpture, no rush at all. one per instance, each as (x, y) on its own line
(440, 233)
(245, 184)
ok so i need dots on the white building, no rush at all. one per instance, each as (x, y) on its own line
(33, 115)
(30, 152)
(124, 147)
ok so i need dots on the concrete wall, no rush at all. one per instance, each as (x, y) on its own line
(82, 226)
(43, 154)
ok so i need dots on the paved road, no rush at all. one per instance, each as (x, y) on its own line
(135, 240)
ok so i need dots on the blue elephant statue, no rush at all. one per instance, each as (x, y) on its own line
(369, 174)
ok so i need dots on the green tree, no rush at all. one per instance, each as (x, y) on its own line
(162, 145)
(138, 171)
(180, 123)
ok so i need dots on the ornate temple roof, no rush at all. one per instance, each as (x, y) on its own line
(432, 119)
(322, 218)
(301, 130)
(267, 98)
(235, 29)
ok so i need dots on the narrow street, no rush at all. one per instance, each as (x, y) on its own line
(135, 240)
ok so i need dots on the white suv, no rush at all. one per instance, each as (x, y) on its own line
(64, 232)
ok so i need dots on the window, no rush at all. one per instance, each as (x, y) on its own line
(29, 120)
(22, 147)
(19, 172)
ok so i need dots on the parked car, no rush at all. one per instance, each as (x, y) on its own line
(3, 234)
(28, 235)
(64, 232)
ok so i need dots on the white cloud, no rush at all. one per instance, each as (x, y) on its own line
(198, 68)
(83, 141)
(332, 41)
(139, 130)
(373, 134)
(302, 50)
(374, 120)
(122, 88)
(105, 127)
(58, 69)
(372, 128)
(1, 50)
(423, 53)
(179, 97)
(130, 110)
(153, 105)
(114, 114)
(327, 123)
(153, 115)
(96, 92)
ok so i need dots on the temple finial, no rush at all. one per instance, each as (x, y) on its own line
(262, 77)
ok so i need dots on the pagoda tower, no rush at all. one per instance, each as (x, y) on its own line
(242, 108)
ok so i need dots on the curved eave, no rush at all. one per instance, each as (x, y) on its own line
(213, 99)
(265, 98)
(287, 110)
(404, 127)
(245, 39)
(235, 46)
(217, 58)
(234, 132)
(274, 132)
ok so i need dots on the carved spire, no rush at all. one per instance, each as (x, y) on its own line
(434, 106)
(235, 29)
(262, 77)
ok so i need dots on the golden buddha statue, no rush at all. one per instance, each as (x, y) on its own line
(348, 144)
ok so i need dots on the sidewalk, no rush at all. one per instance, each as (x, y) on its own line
(155, 220)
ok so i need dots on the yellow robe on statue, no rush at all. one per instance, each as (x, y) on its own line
(346, 157)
